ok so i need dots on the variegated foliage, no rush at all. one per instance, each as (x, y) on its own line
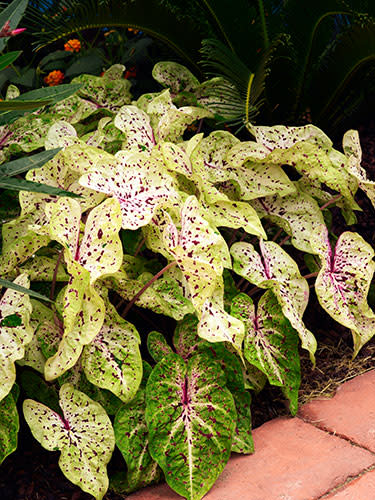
(178, 224)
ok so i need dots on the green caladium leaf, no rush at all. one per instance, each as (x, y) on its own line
(41, 268)
(283, 137)
(139, 185)
(175, 158)
(136, 126)
(186, 340)
(200, 252)
(34, 386)
(9, 426)
(353, 152)
(73, 109)
(242, 438)
(131, 435)
(84, 435)
(298, 214)
(20, 242)
(13, 338)
(343, 282)
(175, 76)
(107, 136)
(276, 270)
(157, 346)
(191, 420)
(105, 91)
(164, 296)
(112, 360)
(271, 344)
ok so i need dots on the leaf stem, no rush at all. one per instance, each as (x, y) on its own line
(330, 202)
(147, 285)
(311, 275)
(53, 284)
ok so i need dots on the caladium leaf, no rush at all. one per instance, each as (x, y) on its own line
(84, 435)
(157, 346)
(298, 214)
(73, 109)
(112, 360)
(175, 76)
(135, 124)
(61, 135)
(139, 185)
(175, 158)
(201, 253)
(352, 149)
(9, 426)
(283, 137)
(276, 270)
(271, 344)
(41, 268)
(186, 339)
(242, 438)
(343, 282)
(13, 338)
(191, 418)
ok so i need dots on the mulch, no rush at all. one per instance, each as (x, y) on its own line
(32, 473)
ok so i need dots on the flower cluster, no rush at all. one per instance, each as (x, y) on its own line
(73, 45)
(54, 78)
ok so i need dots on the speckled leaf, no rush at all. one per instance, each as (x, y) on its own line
(13, 338)
(343, 282)
(191, 420)
(158, 346)
(135, 124)
(174, 122)
(112, 360)
(175, 76)
(298, 214)
(242, 438)
(84, 435)
(186, 339)
(175, 158)
(139, 185)
(283, 137)
(73, 109)
(9, 426)
(131, 435)
(271, 344)
(276, 270)
(200, 251)
(352, 150)
(61, 135)
(41, 268)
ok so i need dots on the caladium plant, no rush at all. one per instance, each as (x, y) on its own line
(169, 230)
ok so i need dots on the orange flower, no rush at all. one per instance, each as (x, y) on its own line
(133, 30)
(54, 78)
(73, 45)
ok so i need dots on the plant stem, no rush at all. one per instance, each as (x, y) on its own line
(53, 284)
(139, 247)
(147, 285)
(330, 202)
(277, 234)
(311, 275)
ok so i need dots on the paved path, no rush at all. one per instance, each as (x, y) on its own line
(326, 453)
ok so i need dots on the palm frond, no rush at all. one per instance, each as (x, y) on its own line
(67, 17)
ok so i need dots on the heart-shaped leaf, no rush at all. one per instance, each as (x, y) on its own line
(9, 426)
(135, 124)
(191, 420)
(157, 346)
(84, 435)
(271, 344)
(13, 338)
(276, 270)
(343, 282)
(175, 76)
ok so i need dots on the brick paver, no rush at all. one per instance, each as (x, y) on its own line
(293, 461)
(362, 488)
(350, 413)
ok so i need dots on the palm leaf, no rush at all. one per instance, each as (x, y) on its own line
(68, 17)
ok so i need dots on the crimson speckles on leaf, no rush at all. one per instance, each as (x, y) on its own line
(175, 76)
(9, 426)
(84, 435)
(276, 270)
(343, 282)
(135, 124)
(191, 418)
(13, 338)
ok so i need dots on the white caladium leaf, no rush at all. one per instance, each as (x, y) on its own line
(298, 214)
(20, 242)
(284, 137)
(13, 338)
(61, 135)
(209, 158)
(343, 282)
(174, 122)
(157, 346)
(271, 344)
(353, 151)
(235, 214)
(139, 185)
(175, 158)
(276, 270)
(112, 360)
(83, 434)
(9, 426)
(216, 325)
(135, 124)
(131, 435)
(200, 252)
(175, 76)
(191, 419)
